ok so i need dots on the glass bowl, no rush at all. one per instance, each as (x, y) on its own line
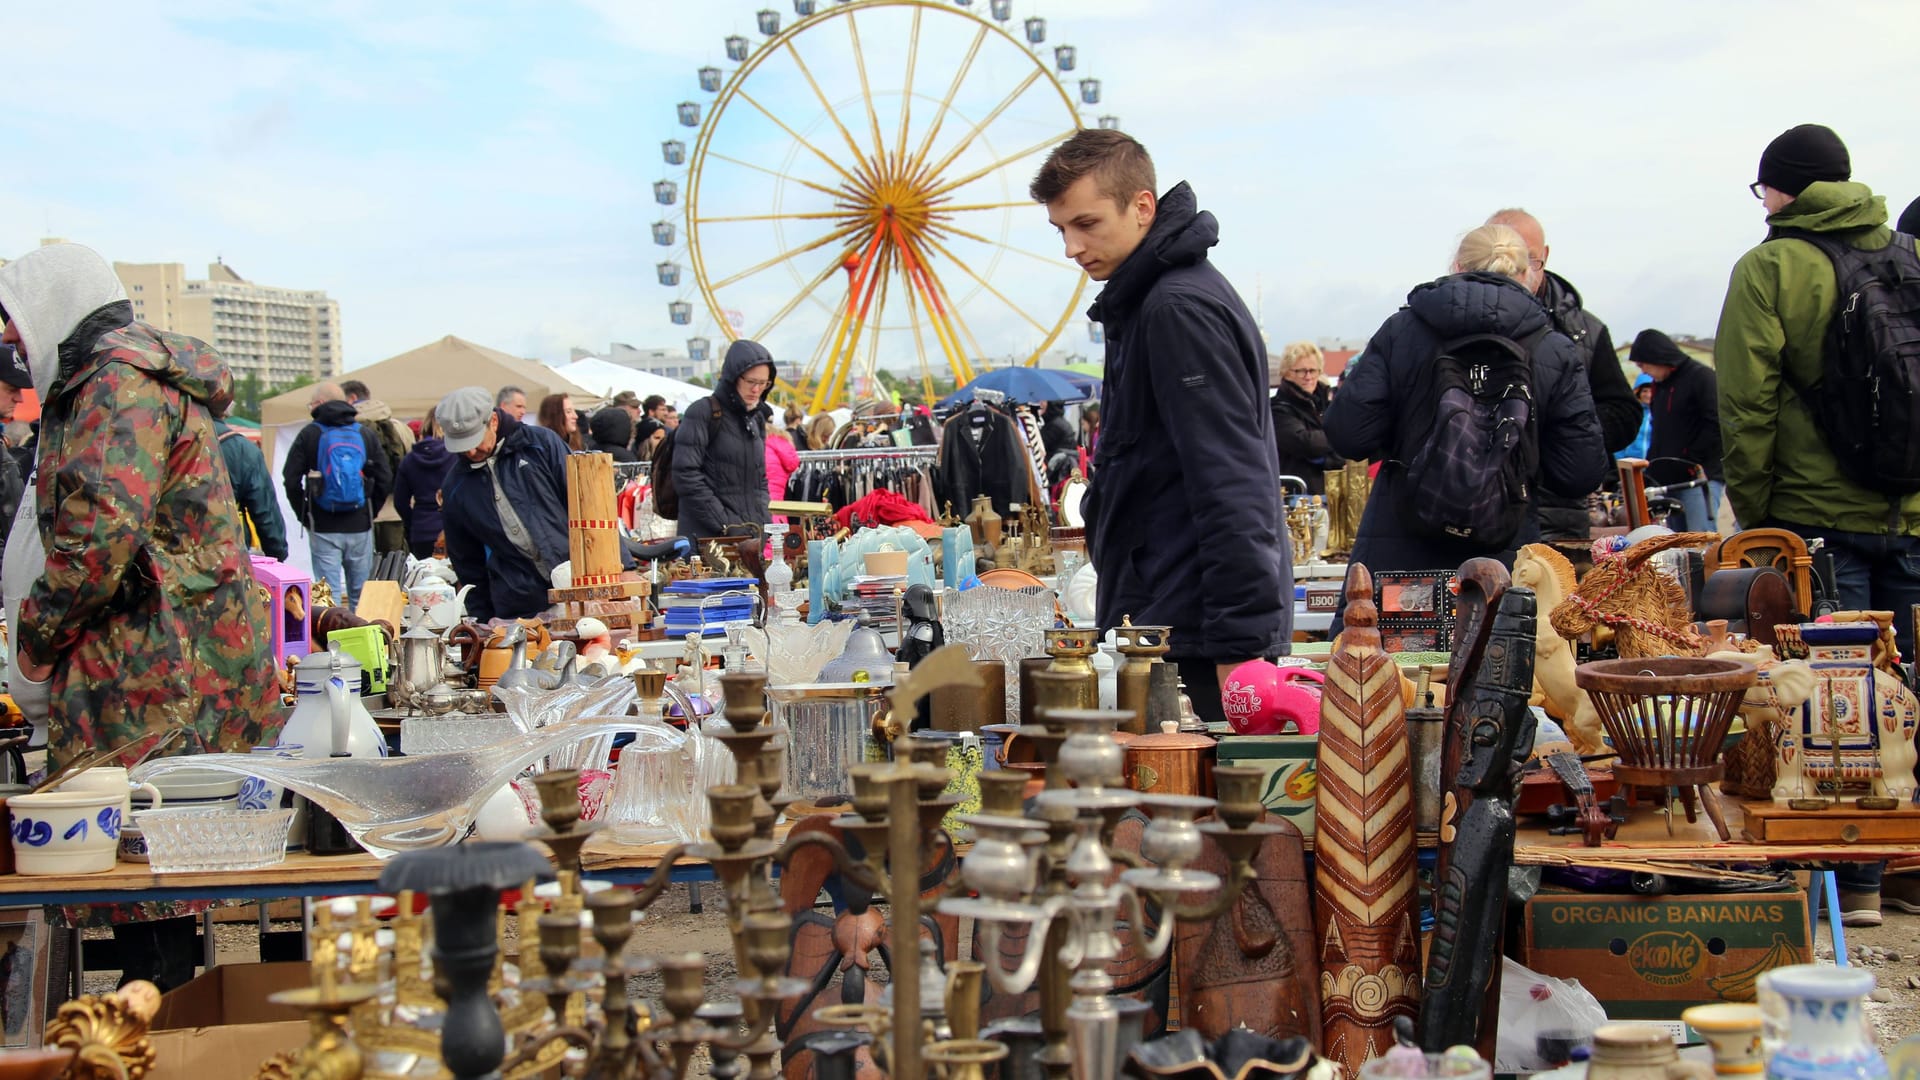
(201, 840)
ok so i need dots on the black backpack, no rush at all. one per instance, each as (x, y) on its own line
(666, 496)
(1867, 402)
(1470, 480)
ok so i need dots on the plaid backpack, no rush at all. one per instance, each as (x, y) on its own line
(1471, 478)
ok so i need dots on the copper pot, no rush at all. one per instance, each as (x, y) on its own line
(1172, 762)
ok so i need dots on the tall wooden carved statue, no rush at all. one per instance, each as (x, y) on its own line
(1489, 733)
(1363, 847)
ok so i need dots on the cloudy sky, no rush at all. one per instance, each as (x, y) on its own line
(486, 168)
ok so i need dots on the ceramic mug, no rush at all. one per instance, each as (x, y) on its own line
(113, 778)
(66, 832)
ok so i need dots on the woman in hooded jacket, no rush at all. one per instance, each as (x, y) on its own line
(719, 449)
(612, 432)
(1386, 406)
(416, 488)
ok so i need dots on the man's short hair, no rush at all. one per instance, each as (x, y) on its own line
(506, 394)
(355, 390)
(653, 402)
(1116, 160)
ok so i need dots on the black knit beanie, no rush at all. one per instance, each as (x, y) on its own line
(1910, 219)
(1803, 155)
(1654, 347)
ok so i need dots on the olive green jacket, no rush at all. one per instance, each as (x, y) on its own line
(1775, 318)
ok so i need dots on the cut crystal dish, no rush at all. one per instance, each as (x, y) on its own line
(197, 840)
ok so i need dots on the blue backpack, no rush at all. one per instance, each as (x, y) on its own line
(342, 456)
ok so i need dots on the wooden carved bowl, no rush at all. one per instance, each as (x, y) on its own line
(1667, 716)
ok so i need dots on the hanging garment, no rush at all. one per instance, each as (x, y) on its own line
(981, 453)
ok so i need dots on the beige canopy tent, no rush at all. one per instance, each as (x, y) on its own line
(415, 381)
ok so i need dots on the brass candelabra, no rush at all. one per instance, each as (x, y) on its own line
(1055, 872)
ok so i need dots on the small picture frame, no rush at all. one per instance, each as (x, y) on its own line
(25, 958)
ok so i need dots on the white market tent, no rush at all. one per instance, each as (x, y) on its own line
(606, 378)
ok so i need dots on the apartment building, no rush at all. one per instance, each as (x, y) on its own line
(276, 334)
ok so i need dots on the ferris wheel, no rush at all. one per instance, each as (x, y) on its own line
(855, 195)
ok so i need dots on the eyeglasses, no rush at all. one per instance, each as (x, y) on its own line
(1304, 371)
(756, 384)
(1536, 265)
(1759, 190)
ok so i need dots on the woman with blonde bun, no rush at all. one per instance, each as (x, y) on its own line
(1389, 395)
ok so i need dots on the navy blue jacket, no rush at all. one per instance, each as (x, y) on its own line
(1384, 410)
(1184, 522)
(416, 492)
(532, 465)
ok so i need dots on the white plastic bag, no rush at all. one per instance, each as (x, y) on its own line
(1532, 1005)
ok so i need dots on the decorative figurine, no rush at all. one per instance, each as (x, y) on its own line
(1364, 852)
(1548, 573)
(1859, 724)
(1489, 734)
(1646, 608)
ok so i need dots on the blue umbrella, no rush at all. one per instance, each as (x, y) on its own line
(1089, 384)
(1022, 386)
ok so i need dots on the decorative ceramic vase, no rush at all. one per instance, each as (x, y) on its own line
(1732, 1028)
(985, 522)
(1826, 1031)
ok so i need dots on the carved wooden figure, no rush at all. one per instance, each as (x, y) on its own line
(1489, 734)
(1254, 966)
(1548, 573)
(1364, 891)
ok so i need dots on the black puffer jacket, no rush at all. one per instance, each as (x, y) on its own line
(1183, 517)
(720, 451)
(531, 464)
(1564, 514)
(612, 432)
(1300, 436)
(1385, 407)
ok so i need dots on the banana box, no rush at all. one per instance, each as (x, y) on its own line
(1291, 776)
(1650, 957)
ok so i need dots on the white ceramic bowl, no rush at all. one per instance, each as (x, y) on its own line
(66, 832)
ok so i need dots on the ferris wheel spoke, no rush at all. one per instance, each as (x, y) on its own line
(810, 215)
(857, 182)
(866, 91)
(937, 208)
(838, 234)
(919, 339)
(809, 289)
(877, 319)
(906, 93)
(987, 170)
(974, 132)
(838, 193)
(833, 114)
(955, 230)
(939, 288)
(946, 103)
(985, 284)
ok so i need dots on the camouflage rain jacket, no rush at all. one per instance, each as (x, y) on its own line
(147, 608)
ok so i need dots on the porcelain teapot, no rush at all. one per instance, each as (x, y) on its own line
(432, 599)
(329, 719)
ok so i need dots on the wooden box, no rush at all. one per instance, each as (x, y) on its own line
(1290, 761)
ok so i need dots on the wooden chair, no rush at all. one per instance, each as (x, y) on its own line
(1778, 548)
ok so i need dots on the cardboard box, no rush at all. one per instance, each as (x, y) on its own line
(1291, 779)
(221, 1024)
(1650, 957)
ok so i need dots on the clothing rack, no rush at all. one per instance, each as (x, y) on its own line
(877, 453)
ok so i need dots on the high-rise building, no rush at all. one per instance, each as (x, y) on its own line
(276, 334)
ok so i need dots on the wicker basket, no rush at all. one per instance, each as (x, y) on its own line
(1667, 718)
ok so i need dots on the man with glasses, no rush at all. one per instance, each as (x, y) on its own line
(1779, 469)
(1563, 514)
(503, 505)
(720, 447)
